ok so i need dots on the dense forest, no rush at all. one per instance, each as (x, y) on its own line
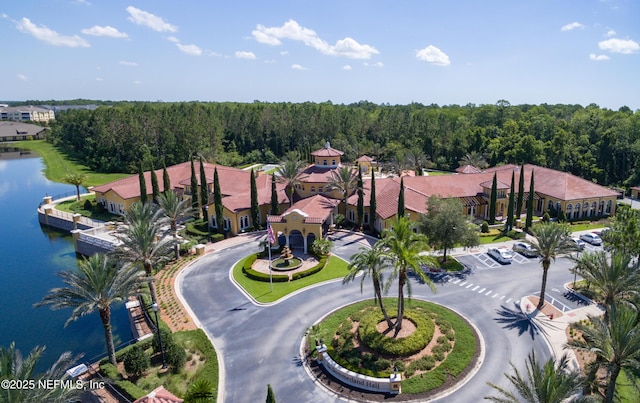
(595, 143)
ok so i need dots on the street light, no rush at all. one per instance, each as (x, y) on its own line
(154, 307)
(206, 213)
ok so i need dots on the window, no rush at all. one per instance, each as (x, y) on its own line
(585, 209)
(120, 208)
(609, 207)
(366, 218)
(313, 189)
(569, 211)
(324, 162)
(333, 162)
(550, 206)
(244, 221)
(351, 215)
(601, 208)
(593, 209)
(214, 223)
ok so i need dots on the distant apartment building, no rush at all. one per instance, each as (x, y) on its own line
(26, 114)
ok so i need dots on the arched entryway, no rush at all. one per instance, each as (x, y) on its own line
(296, 240)
(310, 238)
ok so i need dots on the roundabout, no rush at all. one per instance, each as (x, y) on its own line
(261, 343)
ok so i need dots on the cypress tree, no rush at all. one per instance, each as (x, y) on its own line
(493, 200)
(217, 201)
(520, 203)
(275, 207)
(204, 190)
(194, 189)
(509, 225)
(166, 180)
(529, 221)
(271, 397)
(401, 199)
(155, 187)
(255, 211)
(360, 208)
(143, 186)
(372, 204)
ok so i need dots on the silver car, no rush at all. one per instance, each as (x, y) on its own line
(524, 249)
(591, 238)
(502, 255)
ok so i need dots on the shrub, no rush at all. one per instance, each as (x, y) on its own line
(399, 365)
(313, 270)
(321, 247)
(484, 227)
(546, 217)
(87, 205)
(136, 361)
(425, 363)
(167, 339)
(175, 356)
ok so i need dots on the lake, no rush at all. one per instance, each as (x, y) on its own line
(30, 257)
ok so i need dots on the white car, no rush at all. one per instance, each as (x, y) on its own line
(579, 243)
(502, 255)
(591, 238)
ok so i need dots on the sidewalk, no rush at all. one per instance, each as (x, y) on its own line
(553, 329)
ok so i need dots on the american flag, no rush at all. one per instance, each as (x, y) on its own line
(272, 237)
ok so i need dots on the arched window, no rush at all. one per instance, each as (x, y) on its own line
(313, 189)
(569, 211)
(594, 205)
(609, 207)
(558, 207)
(585, 209)
(577, 212)
(333, 162)
(601, 208)
(324, 162)
(550, 206)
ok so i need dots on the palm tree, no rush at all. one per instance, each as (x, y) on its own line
(98, 283)
(474, 159)
(344, 180)
(13, 366)
(405, 247)
(550, 382)
(76, 179)
(370, 261)
(173, 209)
(143, 241)
(615, 342)
(550, 241)
(614, 277)
(290, 173)
(200, 391)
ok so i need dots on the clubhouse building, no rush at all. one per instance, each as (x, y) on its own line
(315, 203)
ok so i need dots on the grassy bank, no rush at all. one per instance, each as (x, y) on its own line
(57, 164)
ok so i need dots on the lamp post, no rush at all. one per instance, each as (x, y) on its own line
(154, 307)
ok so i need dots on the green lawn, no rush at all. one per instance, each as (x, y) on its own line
(57, 164)
(587, 226)
(260, 291)
(73, 206)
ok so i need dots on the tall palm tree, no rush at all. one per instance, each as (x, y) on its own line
(143, 242)
(76, 179)
(344, 180)
(290, 172)
(615, 277)
(173, 210)
(550, 382)
(13, 366)
(98, 284)
(370, 261)
(615, 342)
(550, 241)
(405, 247)
(474, 159)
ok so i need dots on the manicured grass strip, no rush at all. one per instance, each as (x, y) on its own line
(57, 164)
(260, 291)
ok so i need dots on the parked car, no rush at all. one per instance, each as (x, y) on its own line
(579, 243)
(525, 249)
(591, 238)
(502, 255)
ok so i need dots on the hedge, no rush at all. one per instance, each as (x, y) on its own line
(258, 276)
(127, 388)
(301, 274)
(401, 347)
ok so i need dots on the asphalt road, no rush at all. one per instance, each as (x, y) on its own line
(259, 345)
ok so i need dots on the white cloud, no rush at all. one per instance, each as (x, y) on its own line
(98, 78)
(4, 16)
(433, 55)
(126, 63)
(347, 47)
(173, 39)
(111, 32)
(49, 36)
(298, 67)
(615, 45)
(149, 20)
(376, 64)
(610, 33)
(23, 77)
(284, 53)
(244, 55)
(571, 27)
(598, 58)
(137, 82)
(346, 67)
(192, 50)
(85, 2)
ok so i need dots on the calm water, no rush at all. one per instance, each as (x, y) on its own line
(30, 257)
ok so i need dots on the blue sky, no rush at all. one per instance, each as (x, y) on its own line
(397, 52)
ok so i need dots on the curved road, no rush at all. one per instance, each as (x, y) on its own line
(259, 345)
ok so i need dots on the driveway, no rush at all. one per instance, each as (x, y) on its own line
(259, 345)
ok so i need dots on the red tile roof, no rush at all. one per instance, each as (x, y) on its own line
(365, 158)
(327, 151)
(159, 395)
(317, 209)
(467, 169)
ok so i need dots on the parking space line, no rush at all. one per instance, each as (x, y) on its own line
(481, 291)
(496, 294)
(463, 283)
(471, 284)
(457, 281)
(502, 297)
(509, 300)
(489, 292)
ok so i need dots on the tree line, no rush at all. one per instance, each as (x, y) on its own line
(596, 143)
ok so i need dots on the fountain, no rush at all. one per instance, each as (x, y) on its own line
(286, 261)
